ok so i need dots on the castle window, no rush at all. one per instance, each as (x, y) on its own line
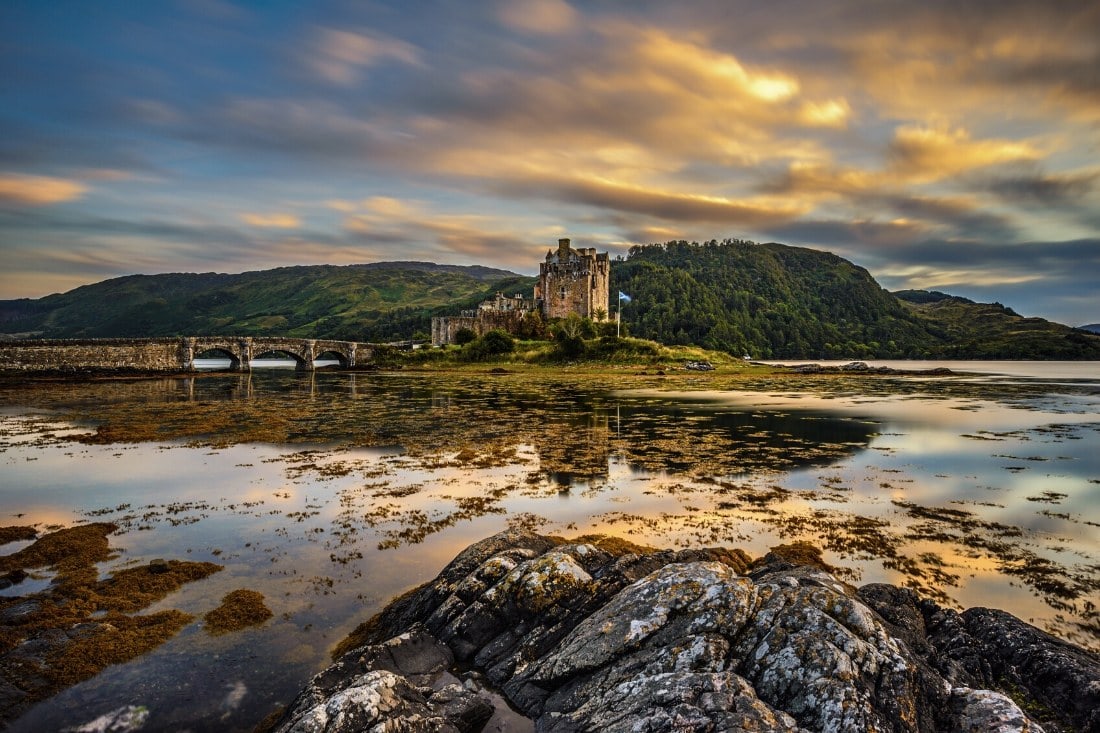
(563, 292)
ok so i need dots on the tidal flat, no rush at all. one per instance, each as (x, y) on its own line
(321, 496)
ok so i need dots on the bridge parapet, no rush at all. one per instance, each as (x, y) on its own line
(167, 354)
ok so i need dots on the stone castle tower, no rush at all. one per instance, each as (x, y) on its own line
(574, 281)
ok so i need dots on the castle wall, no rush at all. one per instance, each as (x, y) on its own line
(444, 328)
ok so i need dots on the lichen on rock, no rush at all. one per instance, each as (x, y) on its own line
(580, 638)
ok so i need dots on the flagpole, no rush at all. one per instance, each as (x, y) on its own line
(619, 311)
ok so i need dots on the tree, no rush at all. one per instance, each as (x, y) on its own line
(464, 336)
(498, 342)
(531, 326)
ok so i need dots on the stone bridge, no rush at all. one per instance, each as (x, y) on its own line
(171, 354)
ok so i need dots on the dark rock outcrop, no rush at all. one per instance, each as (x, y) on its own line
(584, 638)
(388, 687)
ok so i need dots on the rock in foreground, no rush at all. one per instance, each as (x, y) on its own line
(583, 638)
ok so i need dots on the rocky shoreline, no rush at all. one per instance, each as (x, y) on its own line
(592, 634)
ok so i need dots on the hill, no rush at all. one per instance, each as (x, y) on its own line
(765, 300)
(969, 330)
(1091, 328)
(776, 301)
(374, 302)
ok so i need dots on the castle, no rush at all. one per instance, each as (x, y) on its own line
(570, 281)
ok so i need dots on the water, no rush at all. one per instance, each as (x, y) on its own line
(219, 364)
(332, 492)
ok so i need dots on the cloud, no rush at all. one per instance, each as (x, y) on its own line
(961, 217)
(851, 238)
(667, 205)
(820, 179)
(272, 221)
(20, 189)
(876, 130)
(392, 207)
(1047, 190)
(698, 68)
(301, 130)
(928, 153)
(339, 56)
(830, 113)
(390, 226)
(928, 277)
(537, 16)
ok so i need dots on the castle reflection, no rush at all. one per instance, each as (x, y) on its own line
(577, 428)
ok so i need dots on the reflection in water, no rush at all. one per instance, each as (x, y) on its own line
(332, 492)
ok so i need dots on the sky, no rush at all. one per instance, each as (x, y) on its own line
(942, 145)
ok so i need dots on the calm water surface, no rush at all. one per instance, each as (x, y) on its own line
(329, 493)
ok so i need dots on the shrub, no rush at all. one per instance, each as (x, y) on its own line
(498, 342)
(494, 343)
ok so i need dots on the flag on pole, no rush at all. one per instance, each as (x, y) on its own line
(623, 298)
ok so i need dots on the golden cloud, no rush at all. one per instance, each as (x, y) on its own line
(598, 191)
(923, 153)
(38, 190)
(538, 16)
(1028, 61)
(392, 207)
(812, 178)
(391, 225)
(674, 127)
(701, 69)
(272, 221)
(830, 113)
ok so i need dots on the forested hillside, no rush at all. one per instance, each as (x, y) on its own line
(377, 302)
(782, 302)
(764, 300)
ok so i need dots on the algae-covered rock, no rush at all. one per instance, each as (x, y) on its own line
(80, 624)
(239, 609)
(16, 534)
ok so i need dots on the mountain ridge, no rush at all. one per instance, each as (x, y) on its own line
(766, 300)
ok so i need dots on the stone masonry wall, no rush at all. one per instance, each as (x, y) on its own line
(444, 328)
(118, 355)
(163, 354)
(575, 281)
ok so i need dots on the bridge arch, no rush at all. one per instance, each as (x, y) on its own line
(282, 355)
(217, 353)
(238, 351)
(330, 354)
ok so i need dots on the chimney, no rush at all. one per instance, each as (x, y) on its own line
(563, 247)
